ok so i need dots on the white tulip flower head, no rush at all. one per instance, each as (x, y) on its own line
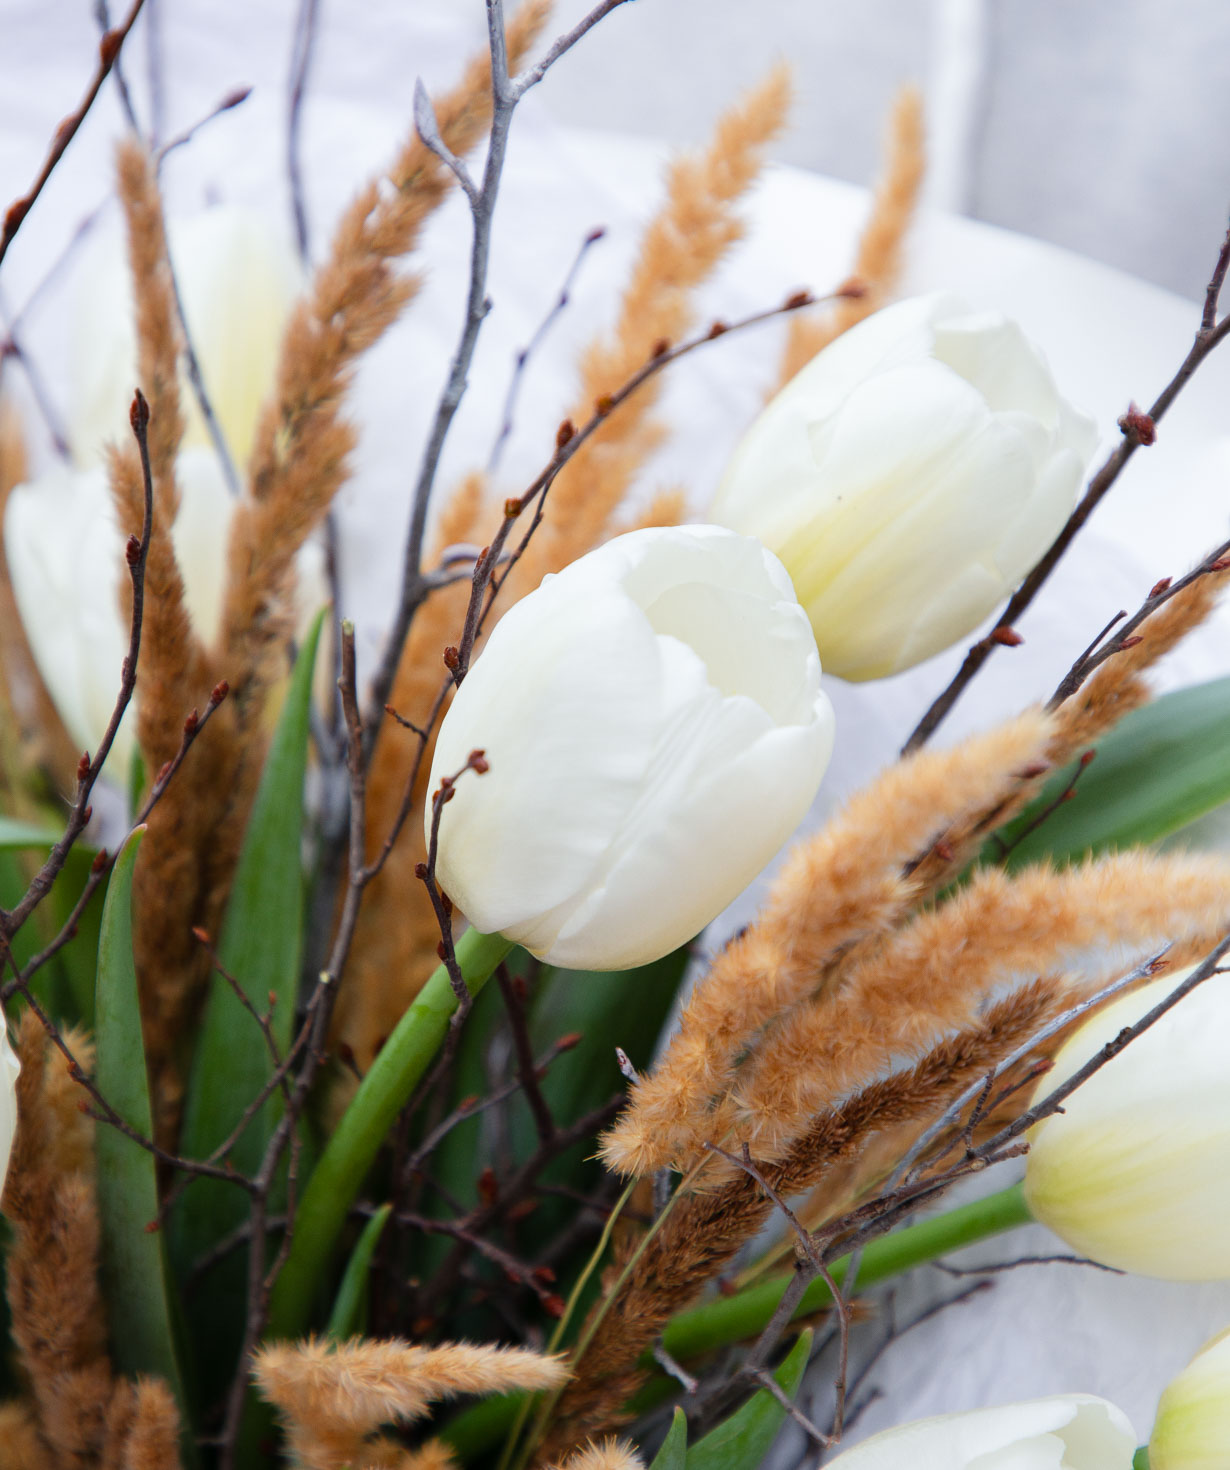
(654, 727)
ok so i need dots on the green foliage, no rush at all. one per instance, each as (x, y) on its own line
(134, 1271)
(260, 946)
(674, 1452)
(1160, 769)
(743, 1440)
(349, 1315)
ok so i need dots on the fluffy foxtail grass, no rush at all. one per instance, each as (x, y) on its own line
(332, 1397)
(849, 881)
(881, 248)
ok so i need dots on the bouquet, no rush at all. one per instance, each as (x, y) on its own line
(361, 1053)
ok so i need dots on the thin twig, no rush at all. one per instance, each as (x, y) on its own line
(524, 354)
(505, 95)
(108, 52)
(301, 60)
(513, 992)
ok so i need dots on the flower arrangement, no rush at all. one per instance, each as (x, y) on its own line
(355, 1058)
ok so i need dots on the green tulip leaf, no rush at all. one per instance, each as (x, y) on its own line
(133, 1266)
(674, 1452)
(743, 1440)
(14, 834)
(260, 947)
(349, 1315)
(1159, 770)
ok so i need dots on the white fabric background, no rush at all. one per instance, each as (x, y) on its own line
(664, 67)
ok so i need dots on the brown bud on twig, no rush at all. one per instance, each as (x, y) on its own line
(659, 349)
(452, 657)
(220, 690)
(1009, 637)
(109, 47)
(800, 298)
(603, 404)
(420, 872)
(132, 550)
(569, 1040)
(83, 766)
(512, 508)
(100, 861)
(1159, 587)
(488, 1189)
(1130, 642)
(1138, 423)
(565, 432)
(192, 721)
(1086, 758)
(717, 329)
(200, 935)
(478, 762)
(138, 414)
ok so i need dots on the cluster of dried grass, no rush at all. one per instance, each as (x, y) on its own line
(826, 1038)
(874, 986)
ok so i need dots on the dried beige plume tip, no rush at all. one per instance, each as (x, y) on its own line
(880, 256)
(333, 1396)
(933, 974)
(606, 1454)
(848, 881)
(682, 246)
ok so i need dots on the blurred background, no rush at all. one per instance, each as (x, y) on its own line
(1099, 125)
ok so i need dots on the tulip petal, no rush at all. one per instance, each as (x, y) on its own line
(909, 477)
(237, 277)
(1135, 1172)
(655, 729)
(725, 789)
(9, 1068)
(66, 561)
(563, 701)
(1063, 1432)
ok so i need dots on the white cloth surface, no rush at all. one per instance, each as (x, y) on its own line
(1109, 338)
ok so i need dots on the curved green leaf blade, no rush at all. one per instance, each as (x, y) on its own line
(742, 1442)
(133, 1266)
(1160, 769)
(26, 834)
(260, 947)
(674, 1452)
(349, 1315)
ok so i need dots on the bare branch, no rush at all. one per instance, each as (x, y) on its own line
(108, 52)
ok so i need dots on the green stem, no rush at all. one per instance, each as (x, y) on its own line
(341, 1169)
(735, 1318)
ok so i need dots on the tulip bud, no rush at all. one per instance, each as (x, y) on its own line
(909, 477)
(9, 1068)
(62, 545)
(1075, 1431)
(1135, 1172)
(655, 729)
(1192, 1428)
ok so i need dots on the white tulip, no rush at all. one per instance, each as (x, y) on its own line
(9, 1068)
(1070, 1431)
(1192, 1427)
(62, 542)
(1135, 1172)
(909, 477)
(655, 730)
